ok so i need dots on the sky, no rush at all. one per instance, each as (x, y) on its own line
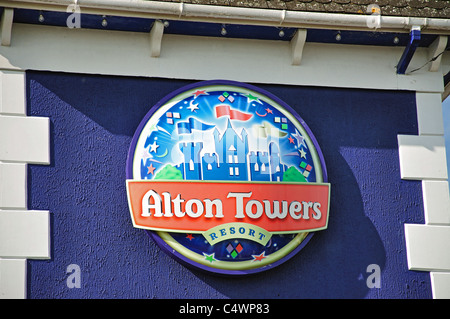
(446, 114)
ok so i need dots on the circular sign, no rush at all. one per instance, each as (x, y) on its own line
(226, 177)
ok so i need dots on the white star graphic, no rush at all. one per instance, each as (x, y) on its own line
(145, 154)
(302, 153)
(300, 139)
(153, 147)
(192, 106)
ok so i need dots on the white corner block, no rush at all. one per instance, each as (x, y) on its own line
(429, 113)
(422, 157)
(428, 247)
(25, 139)
(25, 234)
(13, 278)
(440, 283)
(13, 185)
(12, 92)
(436, 200)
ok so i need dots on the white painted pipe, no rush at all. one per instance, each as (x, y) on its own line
(236, 15)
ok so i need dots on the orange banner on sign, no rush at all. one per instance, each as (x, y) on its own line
(197, 206)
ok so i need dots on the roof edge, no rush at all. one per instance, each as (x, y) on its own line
(236, 15)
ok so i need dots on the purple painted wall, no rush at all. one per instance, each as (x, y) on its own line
(93, 119)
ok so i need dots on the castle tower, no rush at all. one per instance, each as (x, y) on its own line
(211, 168)
(259, 166)
(276, 168)
(234, 149)
(192, 169)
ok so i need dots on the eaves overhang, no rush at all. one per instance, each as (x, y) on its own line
(234, 22)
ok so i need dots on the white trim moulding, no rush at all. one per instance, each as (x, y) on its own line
(429, 113)
(436, 201)
(440, 282)
(24, 234)
(99, 52)
(414, 151)
(14, 278)
(427, 246)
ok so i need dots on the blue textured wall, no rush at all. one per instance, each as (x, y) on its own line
(93, 119)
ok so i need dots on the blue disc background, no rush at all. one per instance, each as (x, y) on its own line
(183, 121)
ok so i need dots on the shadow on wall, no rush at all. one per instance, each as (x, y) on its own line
(334, 262)
(94, 119)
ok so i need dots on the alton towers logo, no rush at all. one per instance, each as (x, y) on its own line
(226, 177)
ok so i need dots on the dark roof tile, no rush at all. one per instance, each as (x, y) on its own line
(250, 3)
(412, 8)
(335, 7)
(363, 2)
(438, 4)
(276, 4)
(323, 1)
(297, 5)
(380, 2)
(396, 11)
(418, 4)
